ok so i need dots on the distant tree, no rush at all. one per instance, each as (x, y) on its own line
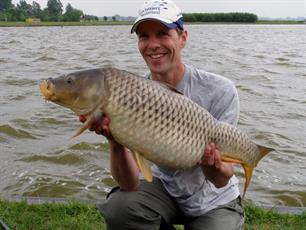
(25, 9)
(88, 17)
(220, 17)
(189, 17)
(5, 8)
(55, 9)
(11, 14)
(5, 4)
(114, 18)
(105, 18)
(71, 14)
(36, 10)
(45, 15)
(69, 8)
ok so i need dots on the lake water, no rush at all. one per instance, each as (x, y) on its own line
(38, 158)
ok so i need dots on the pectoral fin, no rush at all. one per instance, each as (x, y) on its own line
(85, 126)
(93, 117)
(143, 166)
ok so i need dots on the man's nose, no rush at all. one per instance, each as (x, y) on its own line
(154, 43)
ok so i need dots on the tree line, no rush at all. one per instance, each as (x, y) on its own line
(52, 12)
(220, 17)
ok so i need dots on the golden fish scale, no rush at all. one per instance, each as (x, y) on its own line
(166, 127)
(232, 142)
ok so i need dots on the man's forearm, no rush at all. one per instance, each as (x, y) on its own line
(123, 167)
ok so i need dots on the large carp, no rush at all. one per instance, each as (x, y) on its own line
(151, 119)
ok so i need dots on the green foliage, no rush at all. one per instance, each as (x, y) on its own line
(62, 23)
(88, 17)
(23, 11)
(220, 17)
(53, 11)
(36, 10)
(55, 8)
(71, 14)
(5, 4)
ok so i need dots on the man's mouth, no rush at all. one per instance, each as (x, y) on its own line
(156, 56)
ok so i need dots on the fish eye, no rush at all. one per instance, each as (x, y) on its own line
(69, 80)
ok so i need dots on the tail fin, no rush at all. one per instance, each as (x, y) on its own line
(248, 169)
(263, 151)
(248, 172)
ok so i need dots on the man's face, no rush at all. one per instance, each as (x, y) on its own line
(159, 46)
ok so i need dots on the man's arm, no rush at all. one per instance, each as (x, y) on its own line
(224, 108)
(123, 166)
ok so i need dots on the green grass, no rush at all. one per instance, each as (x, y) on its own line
(76, 215)
(257, 218)
(21, 216)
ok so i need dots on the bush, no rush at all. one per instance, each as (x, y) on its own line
(220, 17)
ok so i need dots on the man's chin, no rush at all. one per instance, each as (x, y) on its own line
(158, 69)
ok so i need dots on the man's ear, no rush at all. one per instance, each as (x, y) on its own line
(183, 38)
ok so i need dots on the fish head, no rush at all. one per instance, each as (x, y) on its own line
(82, 91)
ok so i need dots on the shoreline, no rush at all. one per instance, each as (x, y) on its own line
(112, 23)
(292, 210)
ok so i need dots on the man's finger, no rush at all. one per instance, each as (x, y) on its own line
(82, 118)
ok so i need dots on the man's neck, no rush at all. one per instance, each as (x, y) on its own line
(172, 77)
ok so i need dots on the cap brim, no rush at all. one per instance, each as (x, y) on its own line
(171, 25)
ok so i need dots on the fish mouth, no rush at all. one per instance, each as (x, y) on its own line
(47, 90)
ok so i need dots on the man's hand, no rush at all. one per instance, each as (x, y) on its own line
(100, 126)
(214, 169)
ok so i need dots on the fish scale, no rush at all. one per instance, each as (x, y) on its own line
(152, 119)
(181, 143)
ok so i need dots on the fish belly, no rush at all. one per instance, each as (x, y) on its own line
(165, 127)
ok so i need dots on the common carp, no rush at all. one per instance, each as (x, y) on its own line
(151, 119)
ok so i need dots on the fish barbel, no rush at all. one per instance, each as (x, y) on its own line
(151, 119)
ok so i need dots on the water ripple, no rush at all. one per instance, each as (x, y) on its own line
(57, 159)
(14, 132)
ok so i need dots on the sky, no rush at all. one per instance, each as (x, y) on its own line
(262, 8)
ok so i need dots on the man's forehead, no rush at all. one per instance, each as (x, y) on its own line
(151, 25)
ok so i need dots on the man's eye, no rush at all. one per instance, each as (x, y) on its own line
(163, 34)
(142, 36)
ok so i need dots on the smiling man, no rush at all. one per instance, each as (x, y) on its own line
(204, 197)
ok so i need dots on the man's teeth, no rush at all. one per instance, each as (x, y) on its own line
(156, 55)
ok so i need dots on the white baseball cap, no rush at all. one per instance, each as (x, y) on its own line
(164, 11)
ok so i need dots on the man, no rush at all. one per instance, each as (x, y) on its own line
(204, 197)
